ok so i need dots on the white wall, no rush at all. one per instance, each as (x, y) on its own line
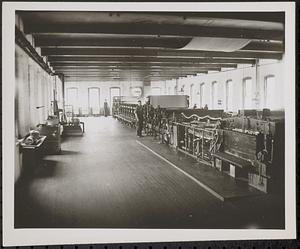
(257, 73)
(33, 88)
(104, 87)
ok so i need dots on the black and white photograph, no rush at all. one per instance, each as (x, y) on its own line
(160, 118)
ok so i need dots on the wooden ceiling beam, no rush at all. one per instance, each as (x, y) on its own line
(98, 57)
(135, 71)
(136, 66)
(147, 59)
(173, 43)
(108, 78)
(151, 17)
(277, 16)
(123, 77)
(153, 29)
(112, 42)
(159, 52)
(200, 65)
(128, 71)
(137, 76)
(145, 69)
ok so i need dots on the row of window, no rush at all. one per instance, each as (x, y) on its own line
(93, 97)
(248, 100)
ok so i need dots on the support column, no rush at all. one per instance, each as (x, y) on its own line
(257, 95)
(62, 78)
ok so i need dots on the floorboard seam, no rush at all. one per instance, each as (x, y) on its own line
(211, 191)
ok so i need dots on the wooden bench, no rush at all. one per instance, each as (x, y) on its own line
(234, 165)
(238, 151)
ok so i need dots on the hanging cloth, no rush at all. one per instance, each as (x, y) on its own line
(216, 44)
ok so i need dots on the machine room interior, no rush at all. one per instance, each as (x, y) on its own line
(211, 88)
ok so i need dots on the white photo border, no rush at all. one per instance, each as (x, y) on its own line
(26, 237)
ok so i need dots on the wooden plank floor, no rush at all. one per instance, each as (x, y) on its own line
(107, 180)
(222, 184)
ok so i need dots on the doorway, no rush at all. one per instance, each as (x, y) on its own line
(94, 101)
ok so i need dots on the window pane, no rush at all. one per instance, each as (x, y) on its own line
(94, 100)
(202, 95)
(229, 95)
(214, 95)
(192, 99)
(247, 93)
(270, 92)
(72, 98)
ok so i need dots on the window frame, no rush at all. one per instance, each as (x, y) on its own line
(227, 94)
(191, 97)
(213, 93)
(99, 92)
(244, 90)
(201, 93)
(266, 88)
(69, 88)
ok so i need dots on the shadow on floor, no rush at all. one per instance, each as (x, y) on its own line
(47, 168)
(26, 201)
(69, 152)
(70, 137)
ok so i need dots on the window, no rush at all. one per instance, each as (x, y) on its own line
(94, 100)
(72, 98)
(114, 91)
(269, 92)
(247, 93)
(214, 94)
(202, 95)
(229, 95)
(192, 99)
(155, 91)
